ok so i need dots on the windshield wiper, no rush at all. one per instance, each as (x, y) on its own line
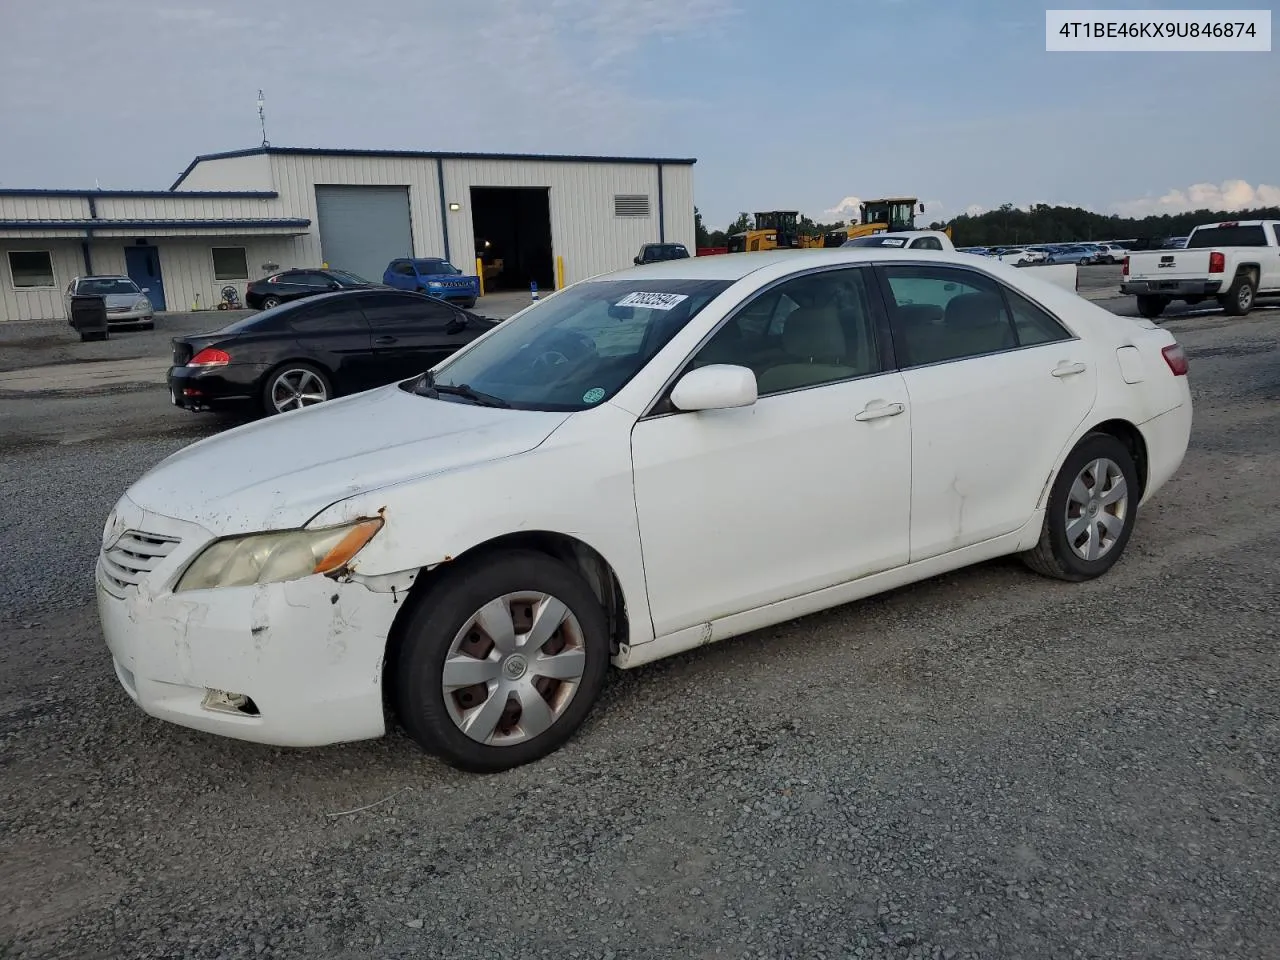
(429, 388)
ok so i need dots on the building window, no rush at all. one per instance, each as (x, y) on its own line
(31, 268)
(631, 205)
(230, 263)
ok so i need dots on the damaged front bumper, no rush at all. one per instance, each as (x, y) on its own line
(294, 664)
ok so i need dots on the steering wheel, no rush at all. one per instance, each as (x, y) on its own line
(549, 358)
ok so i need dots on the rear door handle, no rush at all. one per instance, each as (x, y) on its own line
(1068, 369)
(877, 413)
(384, 340)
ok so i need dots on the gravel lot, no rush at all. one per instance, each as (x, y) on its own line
(985, 765)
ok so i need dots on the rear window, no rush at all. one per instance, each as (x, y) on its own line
(1253, 236)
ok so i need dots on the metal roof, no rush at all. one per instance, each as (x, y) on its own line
(298, 222)
(427, 155)
(144, 194)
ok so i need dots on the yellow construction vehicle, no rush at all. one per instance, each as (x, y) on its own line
(886, 215)
(780, 229)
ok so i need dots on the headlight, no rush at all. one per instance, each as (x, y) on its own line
(433, 283)
(142, 303)
(274, 557)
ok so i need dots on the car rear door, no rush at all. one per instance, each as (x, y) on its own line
(997, 386)
(334, 334)
(410, 333)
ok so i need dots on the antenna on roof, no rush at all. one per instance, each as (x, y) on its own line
(262, 119)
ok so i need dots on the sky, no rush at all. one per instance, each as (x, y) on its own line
(805, 105)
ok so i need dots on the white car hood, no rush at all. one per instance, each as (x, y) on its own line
(279, 472)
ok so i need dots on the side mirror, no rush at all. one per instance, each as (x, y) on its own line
(636, 261)
(334, 285)
(718, 386)
(146, 289)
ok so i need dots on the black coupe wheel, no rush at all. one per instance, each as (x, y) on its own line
(1091, 512)
(270, 303)
(293, 386)
(501, 661)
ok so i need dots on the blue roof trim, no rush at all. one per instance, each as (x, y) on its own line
(427, 155)
(145, 224)
(124, 194)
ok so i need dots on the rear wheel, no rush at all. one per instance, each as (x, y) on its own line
(1238, 300)
(501, 661)
(1151, 307)
(1092, 507)
(269, 303)
(294, 386)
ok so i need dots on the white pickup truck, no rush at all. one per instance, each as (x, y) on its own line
(1235, 262)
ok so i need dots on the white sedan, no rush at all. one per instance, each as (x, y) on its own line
(642, 463)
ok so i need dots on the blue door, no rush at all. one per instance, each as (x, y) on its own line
(143, 266)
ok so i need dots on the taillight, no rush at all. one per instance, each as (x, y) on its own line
(210, 357)
(1217, 262)
(1124, 267)
(1176, 358)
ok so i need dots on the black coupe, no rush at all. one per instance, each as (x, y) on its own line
(307, 351)
(294, 284)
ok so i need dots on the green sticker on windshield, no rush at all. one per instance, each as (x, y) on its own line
(594, 395)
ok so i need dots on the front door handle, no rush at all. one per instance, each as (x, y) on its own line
(1068, 369)
(877, 413)
(382, 341)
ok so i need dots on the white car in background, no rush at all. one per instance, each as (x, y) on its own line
(1111, 253)
(126, 303)
(1020, 256)
(646, 462)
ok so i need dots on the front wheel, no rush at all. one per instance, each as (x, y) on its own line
(501, 661)
(1092, 507)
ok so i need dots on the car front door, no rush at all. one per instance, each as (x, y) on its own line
(997, 386)
(1270, 278)
(411, 333)
(334, 333)
(807, 488)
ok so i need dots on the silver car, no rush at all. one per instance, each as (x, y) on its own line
(126, 303)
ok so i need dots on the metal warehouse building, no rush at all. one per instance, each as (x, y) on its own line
(238, 216)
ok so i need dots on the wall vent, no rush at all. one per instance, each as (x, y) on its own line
(631, 205)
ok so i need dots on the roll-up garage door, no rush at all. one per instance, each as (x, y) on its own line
(362, 229)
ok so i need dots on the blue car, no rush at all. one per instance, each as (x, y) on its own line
(434, 277)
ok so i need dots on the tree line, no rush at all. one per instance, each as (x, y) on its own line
(1041, 223)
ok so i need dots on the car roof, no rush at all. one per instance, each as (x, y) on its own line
(104, 276)
(735, 266)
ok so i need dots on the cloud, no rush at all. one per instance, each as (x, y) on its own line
(846, 209)
(1228, 195)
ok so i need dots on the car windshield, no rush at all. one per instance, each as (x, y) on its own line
(346, 276)
(877, 240)
(578, 348)
(105, 287)
(429, 267)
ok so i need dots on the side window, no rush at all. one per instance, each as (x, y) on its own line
(403, 268)
(336, 316)
(1033, 324)
(1275, 228)
(808, 331)
(387, 312)
(945, 313)
(307, 279)
(927, 243)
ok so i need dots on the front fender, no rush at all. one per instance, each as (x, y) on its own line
(577, 483)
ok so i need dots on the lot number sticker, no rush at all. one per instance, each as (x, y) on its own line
(594, 395)
(892, 243)
(653, 301)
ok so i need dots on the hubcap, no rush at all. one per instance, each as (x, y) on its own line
(294, 389)
(1097, 508)
(514, 668)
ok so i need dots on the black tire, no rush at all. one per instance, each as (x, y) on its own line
(149, 325)
(269, 303)
(469, 305)
(268, 383)
(1151, 307)
(1238, 300)
(444, 609)
(1053, 556)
